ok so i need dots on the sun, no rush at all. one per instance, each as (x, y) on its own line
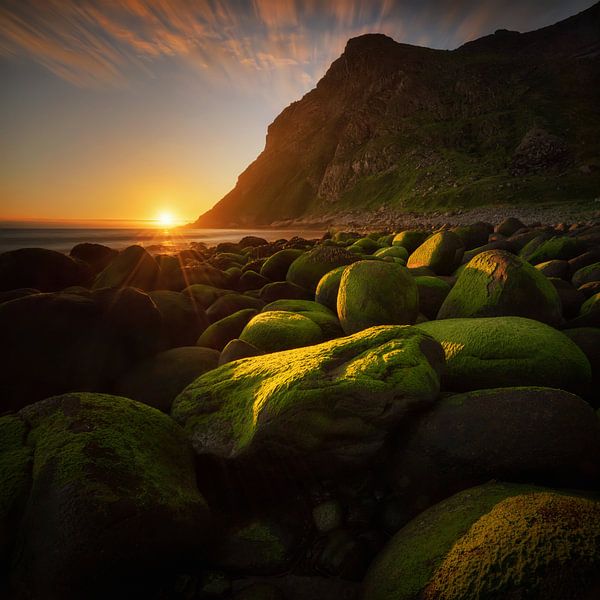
(165, 219)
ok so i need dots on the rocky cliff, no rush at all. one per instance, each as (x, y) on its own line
(510, 117)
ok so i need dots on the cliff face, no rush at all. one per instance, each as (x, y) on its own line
(509, 117)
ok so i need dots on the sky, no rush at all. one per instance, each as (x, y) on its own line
(132, 109)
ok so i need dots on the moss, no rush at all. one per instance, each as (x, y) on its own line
(586, 274)
(277, 265)
(100, 444)
(561, 247)
(204, 295)
(338, 397)
(592, 304)
(376, 293)
(319, 314)
(432, 293)
(364, 245)
(507, 351)
(220, 333)
(413, 564)
(280, 330)
(307, 270)
(410, 240)
(441, 253)
(549, 540)
(496, 283)
(394, 251)
(328, 287)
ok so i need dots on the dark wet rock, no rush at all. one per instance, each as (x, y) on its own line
(160, 378)
(586, 274)
(251, 241)
(204, 295)
(132, 267)
(279, 290)
(221, 332)
(44, 270)
(9, 295)
(97, 256)
(231, 303)
(509, 226)
(251, 280)
(554, 268)
(475, 235)
(432, 293)
(570, 298)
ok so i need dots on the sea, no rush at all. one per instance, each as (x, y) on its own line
(16, 235)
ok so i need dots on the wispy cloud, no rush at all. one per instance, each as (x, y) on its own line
(284, 45)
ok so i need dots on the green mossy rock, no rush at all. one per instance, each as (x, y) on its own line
(376, 293)
(231, 303)
(410, 240)
(328, 287)
(280, 290)
(321, 315)
(474, 235)
(556, 248)
(182, 321)
(251, 280)
(159, 379)
(220, 333)
(586, 274)
(132, 267)
(394, 252)
(16, 458)
(495, 541)
(237, 349)
(497, 284)
(113, 498)
(364, 246)
(589, 313)
(507, 352)
(205, 295)
(547, 437)
(44, 270)
(276, 266)
(307, 270)
(442, 253)
(335, 400)
(432, 293)
(281, 330)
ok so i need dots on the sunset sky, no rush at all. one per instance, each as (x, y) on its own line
(126, 109)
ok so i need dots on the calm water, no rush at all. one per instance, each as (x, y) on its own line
(63, 239)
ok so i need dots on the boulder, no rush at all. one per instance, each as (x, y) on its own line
(251, 280)
(273, 331)
(571, 299)
(442, 253)
(132, 267)
(507, 352)
(474, 235)
(252, 241)
(432, 293)
(328, 287)
(495, 284)
(410, 240)
(204, 295)
(328, 405)
(182, 321)
(509, 226)
(586, 274)
(97, 256)
(278, 290)
(554, 268)
(562, 247)
(44, 270)
(9, 295)
(221, 332)
(393, 251)
(588, 340)
(522, 434)
(231, 303)
(321, 315)
(496, 245)
(276, 266)
(112, 502)
(376, 293)
(307, 270)
(157, 380)
(237, 349)
(494, 541)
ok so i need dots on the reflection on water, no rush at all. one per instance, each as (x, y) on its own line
(63, 239)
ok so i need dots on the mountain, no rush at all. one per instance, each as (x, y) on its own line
(510, 117)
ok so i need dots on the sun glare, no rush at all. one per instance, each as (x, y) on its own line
(165, 219)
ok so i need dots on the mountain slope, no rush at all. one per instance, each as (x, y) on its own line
(509, 117)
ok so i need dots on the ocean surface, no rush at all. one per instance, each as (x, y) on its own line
(63, 239)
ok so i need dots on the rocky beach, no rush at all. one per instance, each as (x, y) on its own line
(396, 414)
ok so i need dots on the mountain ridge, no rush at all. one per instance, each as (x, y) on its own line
(509, 117)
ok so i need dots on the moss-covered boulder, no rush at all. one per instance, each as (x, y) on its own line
(474, 235)
(497, 283)
(410, 240)
(586, 274)
(237, 349)
(132, 267)
(442, 253)
(307, 270)
(204, 295)
(200, 274)
(251, 280)
(522, 434)
(376, 293)
(279, 290)
(507, 352)
(393, 251)
(273, 331)
(364, 245)
(328, 287)
(157, 380)
(97, 256)
(562, 247)
(113, 498)
(44, 270)
(335, 400)
(495, 541)
(509, 226)
(554, 268)
(276, 266)
(220, 333)
(321, 315)
(231, 303)
(66, 342)
(432, 293)
(182, 320)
